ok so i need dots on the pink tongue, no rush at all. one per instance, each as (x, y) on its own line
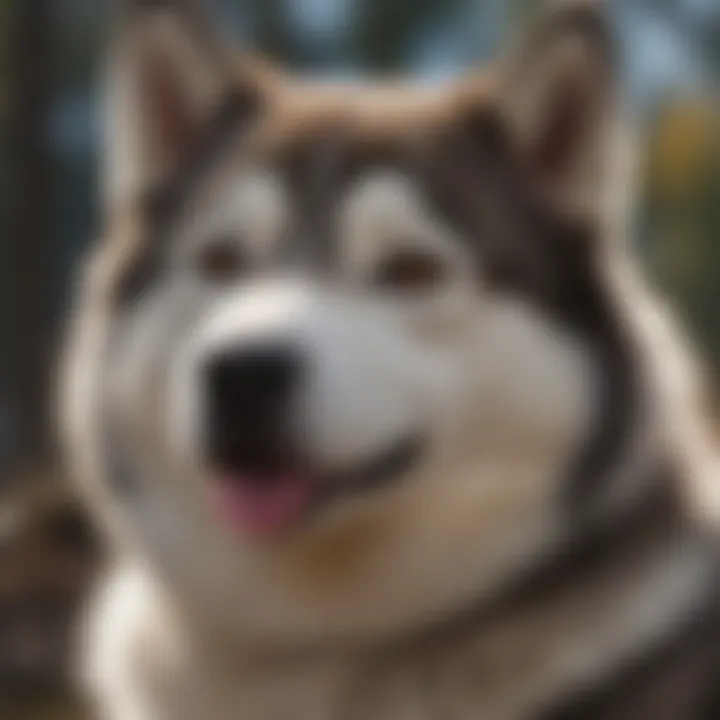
(262, 507)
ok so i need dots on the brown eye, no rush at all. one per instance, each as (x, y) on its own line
(410, 271)
(221, 261)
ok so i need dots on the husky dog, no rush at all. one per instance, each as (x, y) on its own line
(378, 416)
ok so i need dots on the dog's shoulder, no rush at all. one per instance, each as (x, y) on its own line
(679, 681)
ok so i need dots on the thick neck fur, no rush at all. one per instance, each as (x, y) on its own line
(604, 604)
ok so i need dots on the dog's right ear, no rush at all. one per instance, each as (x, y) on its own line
(559, 98)
(169, 75)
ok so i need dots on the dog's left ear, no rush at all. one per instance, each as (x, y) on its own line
(558, 96)
(171, 73)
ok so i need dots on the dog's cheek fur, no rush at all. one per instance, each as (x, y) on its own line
(513, 382)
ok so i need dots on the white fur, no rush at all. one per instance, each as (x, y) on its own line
(147, 663)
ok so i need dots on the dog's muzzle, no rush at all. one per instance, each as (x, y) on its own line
(262, 482)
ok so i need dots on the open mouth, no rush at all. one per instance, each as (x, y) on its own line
(262, 504)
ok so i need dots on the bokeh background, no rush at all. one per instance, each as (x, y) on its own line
(50, 61)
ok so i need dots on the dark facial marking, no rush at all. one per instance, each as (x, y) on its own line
(310, 171)
(524, 248)
(163, 205)
(318, 166)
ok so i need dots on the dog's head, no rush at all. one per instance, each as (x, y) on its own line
(343, 345)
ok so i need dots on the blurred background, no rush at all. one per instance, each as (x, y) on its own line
(50, 58)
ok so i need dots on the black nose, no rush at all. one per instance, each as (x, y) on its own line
(249, 401)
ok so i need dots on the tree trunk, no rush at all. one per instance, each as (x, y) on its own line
(27, 268)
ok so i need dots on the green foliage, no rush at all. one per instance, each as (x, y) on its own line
(383, 30)
(682, 223)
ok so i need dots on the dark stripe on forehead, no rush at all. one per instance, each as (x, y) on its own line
(311, 170)
(320, 170)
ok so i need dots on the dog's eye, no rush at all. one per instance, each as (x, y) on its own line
(221, 260)
(410, 271)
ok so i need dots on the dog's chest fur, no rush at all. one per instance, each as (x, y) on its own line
(535, 652)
